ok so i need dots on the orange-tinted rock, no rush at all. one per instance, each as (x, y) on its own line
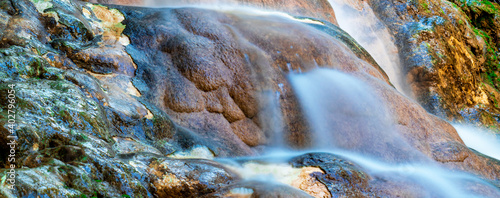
(181, 95)
(249, 132)
(105, 60)
(213, 102)
(188, 178)
(196, 58)
(231, 110)
(311, 185)
(205, 60)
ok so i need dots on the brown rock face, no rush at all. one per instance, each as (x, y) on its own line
(219, 74)
(319, 9)
(188, 178)
(248, 58)
(249, 132)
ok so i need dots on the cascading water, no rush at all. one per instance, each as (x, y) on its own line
(480, 140)
(345, 114)
(348, 120)
(362, 24)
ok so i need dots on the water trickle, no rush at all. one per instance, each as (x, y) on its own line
(272, 118)
(437, 181)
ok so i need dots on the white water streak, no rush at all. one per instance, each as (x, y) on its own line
(359, 20)
(480, 140)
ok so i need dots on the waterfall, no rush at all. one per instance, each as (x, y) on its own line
(480, 140)
(363, 25)
(344, 114)
(347, 119)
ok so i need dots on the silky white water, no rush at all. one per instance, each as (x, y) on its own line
(480, 140)
(435, 180)
(358, 19)
(344, 113)
(349, 120)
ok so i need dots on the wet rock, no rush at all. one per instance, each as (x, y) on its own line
(342, 178)
(104, 60)
(249, 132)
(127, 146)
(450, 152)
(309, 184)
(189, 178)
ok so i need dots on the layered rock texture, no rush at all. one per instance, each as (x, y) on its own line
(123, 101)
